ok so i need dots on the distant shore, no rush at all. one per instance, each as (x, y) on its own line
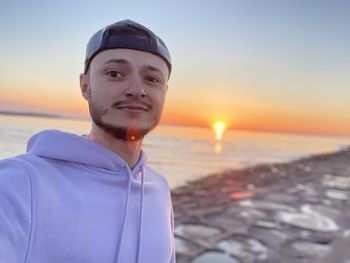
(38, 115)
(30, 114)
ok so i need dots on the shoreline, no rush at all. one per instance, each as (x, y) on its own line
(235, 205)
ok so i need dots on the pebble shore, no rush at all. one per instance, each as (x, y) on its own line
(278, 213)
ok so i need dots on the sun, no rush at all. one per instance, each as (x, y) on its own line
(219, 127)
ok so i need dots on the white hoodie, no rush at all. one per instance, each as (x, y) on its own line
(69, 199)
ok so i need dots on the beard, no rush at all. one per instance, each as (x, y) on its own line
(131, 132)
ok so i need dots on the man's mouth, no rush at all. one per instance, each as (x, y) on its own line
(133, 107)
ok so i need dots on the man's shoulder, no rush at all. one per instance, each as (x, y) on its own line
(12, 163)
(18, 162)
(19, 166)
(14, 175)
(156, 176)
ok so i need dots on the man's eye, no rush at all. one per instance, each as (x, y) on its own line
(152, 79)
(114, 74)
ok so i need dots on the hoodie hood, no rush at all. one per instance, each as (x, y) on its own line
(63, 146)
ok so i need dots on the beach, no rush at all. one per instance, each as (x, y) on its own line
(286, 212)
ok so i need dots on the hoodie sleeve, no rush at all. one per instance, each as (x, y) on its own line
(15, 212)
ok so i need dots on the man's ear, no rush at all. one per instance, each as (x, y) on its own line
(85, 86)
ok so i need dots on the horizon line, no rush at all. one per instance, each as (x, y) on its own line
(36, 114)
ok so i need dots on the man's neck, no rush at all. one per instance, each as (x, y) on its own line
(128, 150)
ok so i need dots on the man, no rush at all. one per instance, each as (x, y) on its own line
(92, 198)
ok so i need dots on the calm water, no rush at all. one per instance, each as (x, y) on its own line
(184, 153)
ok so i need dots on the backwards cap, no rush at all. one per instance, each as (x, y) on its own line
(126, 34)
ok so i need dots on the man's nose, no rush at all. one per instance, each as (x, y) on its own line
(135, 88)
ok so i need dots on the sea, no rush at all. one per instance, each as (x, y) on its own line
(181, 153)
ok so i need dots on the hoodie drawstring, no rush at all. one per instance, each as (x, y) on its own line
(126, 208)
(141, 215)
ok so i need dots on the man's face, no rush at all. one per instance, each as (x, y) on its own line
(126, 91)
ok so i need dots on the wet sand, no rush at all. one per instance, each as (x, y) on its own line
(291, 212)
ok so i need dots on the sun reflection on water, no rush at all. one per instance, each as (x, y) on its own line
(218, 147)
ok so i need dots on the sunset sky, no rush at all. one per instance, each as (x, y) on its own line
(262, 65)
